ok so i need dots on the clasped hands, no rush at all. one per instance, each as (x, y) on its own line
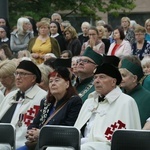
(32, 134)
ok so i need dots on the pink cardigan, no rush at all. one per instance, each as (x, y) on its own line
(123, 49)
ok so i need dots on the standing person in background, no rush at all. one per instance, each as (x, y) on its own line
(56, 33)
(56, 17)
(73, 43)
(129, 33)
(133, 24)
(120, 47)
(4, 36)
(108, 32)
(4, 22)
(5, 52)
(20, 37)
(32, 26)
(84, 37)
(63, 25)
(147, 27)
(93, 42)
(66, 54)
(46, 19)
(102, 37)
(74, 70)
(43, 44)
(100, 23)
(141, 48)
(45, 71)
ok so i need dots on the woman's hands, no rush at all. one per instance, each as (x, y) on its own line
(92, 42)
(35, 55)
(32, 134)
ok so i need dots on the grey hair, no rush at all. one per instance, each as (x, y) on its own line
(20, 23)
(55, 14)
(86, 24)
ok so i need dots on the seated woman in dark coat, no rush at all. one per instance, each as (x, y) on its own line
(56, 33)
(73, 43)
(61, 107)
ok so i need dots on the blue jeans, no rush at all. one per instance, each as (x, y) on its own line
(22, 148)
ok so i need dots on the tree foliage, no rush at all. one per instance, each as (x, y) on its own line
(44, 8)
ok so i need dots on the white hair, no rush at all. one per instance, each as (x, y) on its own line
(100, 22)
(145, 61)
(55, 14)
(20, 23)
(133, 23)
(86, 24)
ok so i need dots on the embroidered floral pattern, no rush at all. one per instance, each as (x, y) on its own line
(44, 113)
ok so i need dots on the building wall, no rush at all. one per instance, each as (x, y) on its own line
(140, 13)
(142, 6)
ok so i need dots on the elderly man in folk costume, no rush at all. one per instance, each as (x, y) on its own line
(20, 106)
(106, 110)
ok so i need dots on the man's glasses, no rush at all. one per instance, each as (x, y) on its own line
(21, 74)
(85, 61)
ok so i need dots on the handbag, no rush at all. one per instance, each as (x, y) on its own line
(32, 145)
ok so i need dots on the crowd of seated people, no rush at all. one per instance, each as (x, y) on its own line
(97, 81)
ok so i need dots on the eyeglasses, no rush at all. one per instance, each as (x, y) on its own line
(22, 74)
(138, 34)
(85, 61)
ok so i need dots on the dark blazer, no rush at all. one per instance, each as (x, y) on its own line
(66, 116)
(61, 41)
(83, 39)
(107, 44)
(74, 46)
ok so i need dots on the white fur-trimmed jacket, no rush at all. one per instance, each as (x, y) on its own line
(117, 111)
(28, 109)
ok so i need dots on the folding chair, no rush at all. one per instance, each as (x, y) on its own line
(8, 135)
(131, 140)
(59, 136)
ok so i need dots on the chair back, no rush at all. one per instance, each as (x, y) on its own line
(131, 140)
(8, 134)
(59, 136)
